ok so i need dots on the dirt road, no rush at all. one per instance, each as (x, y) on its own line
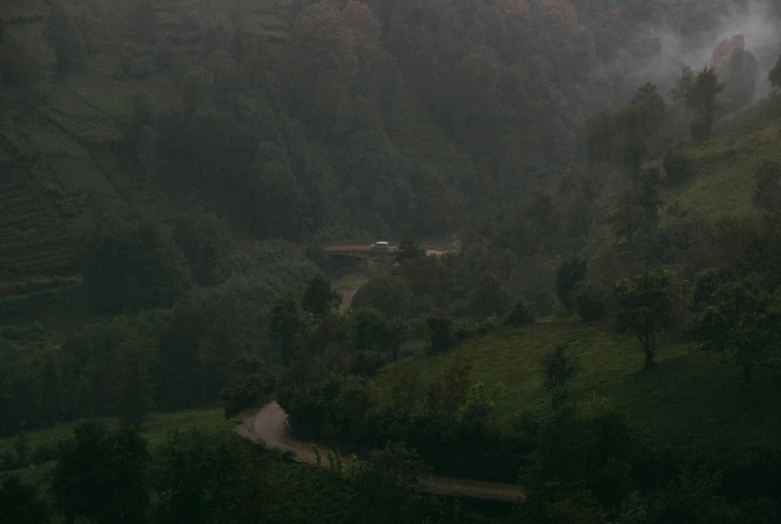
(360, 248)
(268, 426)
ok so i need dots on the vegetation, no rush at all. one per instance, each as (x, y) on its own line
(173, 177)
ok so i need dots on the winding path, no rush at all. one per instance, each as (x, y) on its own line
(267, 426)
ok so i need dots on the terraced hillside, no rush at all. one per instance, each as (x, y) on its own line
(186, 24)
(34, 238)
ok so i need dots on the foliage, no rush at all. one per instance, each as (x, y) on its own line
(680, 92)
(388, 294)
(678, 167)
(390, 477)
(370, 330)
(519, 315)
(590, 298)
(646, 307)
(559, 369)
(767, 186)
(440, 335)
(743, 319)
(19, 503)
(364, 28)
(323, 49)
(23, 67)
(408, 250)
(319, 297)
(103, 477)
(488, 297)
(204, 239)
(701, 97)
(775, 74)
(568, 275)
(66, 38)
(126, 268)
(285, 323)
(242, 391)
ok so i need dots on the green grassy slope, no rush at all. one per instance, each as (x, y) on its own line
(724, 181)
(154, 429)
(686, 393)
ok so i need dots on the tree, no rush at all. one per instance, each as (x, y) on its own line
(204, 239)
(279, 201)
(323, 53)
(488, 297)
(285, 323)
(701, 96)
(190, 475)
(767, 186)
(408, 250)
(390, 478)
(127, 268)
(743, 319)
(569, 274)
(388, 294)
(646, 306)
(648, 195)
(680, 93)
(243, 391)
(20, 504)
(319, 297)
(638, 123)
(370, 330)
(519, 315)
(440, 331)
(102, 476)
(64, 39)
(559, 369)
(135, 396)
(589, 298)
(145, 20)
(775, 75)
(364, 27)
(628, 216)
(559, 20)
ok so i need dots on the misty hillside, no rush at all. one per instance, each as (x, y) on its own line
(384, 122)
(580, 294)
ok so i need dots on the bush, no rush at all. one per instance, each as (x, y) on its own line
(519, 315)
(440, 334)
(570, 273)
(678, 167)
(488, 297)
(589, 298)
(466, 328)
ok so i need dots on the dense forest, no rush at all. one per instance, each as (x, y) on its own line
(597, 174)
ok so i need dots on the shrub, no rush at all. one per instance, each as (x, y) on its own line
(589, 298)
(519, 315)
(464, 329)
(440, 334)
(678, 166)
(570, 273)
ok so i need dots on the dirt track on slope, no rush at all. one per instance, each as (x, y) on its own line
(268, 426)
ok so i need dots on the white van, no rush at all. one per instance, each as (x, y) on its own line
(379, 246)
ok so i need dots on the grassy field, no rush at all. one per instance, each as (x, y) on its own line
(154, 429)
(686, 393)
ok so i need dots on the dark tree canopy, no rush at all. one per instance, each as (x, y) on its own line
(568, 275)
